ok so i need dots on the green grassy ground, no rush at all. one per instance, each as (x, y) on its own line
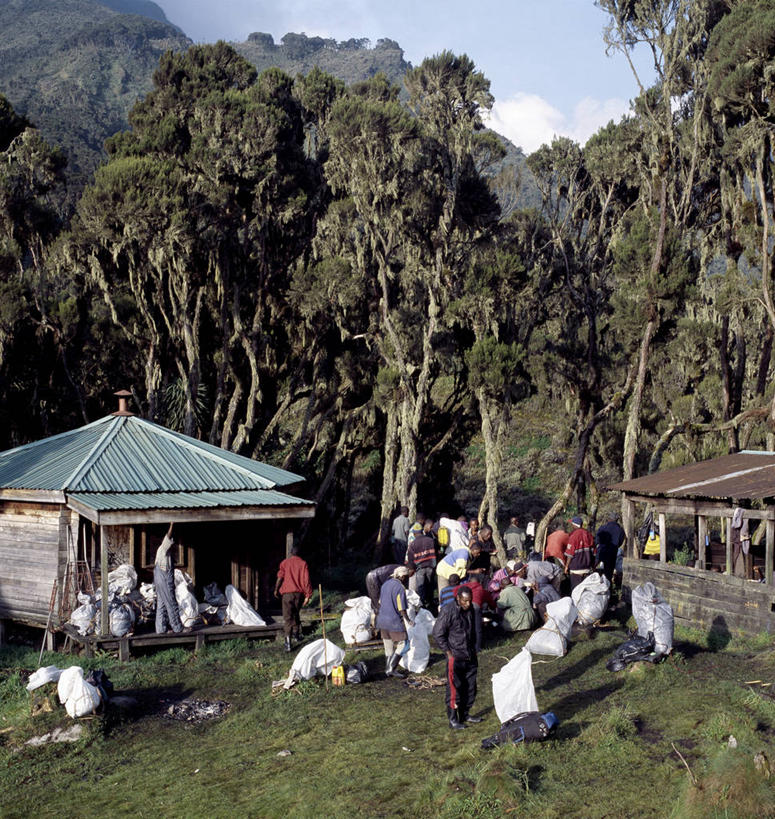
(613, 754)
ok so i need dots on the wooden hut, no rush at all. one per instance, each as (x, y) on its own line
(719, 588)
(76, 505)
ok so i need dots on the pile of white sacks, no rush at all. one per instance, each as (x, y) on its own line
(127, 603)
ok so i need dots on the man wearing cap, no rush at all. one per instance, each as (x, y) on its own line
(455, 634)
(393, 619)
(579, 553)
(421, 558)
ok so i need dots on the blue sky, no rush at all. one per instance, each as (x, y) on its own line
(545, 59)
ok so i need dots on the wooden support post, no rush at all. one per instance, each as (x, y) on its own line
(191, 563)
(769, 552)
(123, 649)
(702, 534)
(200, 641)
(104, 615)
(728, 544)
(145, 558)
(628, 508)
(662, 539)
(133, 547)
(288, 543)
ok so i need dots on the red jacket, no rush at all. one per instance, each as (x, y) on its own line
(479, 594)
(294, 574)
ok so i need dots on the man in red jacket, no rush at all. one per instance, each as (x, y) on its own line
(294, 588)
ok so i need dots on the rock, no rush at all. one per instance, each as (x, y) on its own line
(731, 742)
(285, 752)
(71, 734)
(762, 765)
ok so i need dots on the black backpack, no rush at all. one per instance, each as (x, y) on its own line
(527, 727)
(631, 651)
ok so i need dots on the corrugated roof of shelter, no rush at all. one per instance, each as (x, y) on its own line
(129, 454)
(744, 475)
(143, 501)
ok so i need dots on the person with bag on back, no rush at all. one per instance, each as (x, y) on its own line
(455, 634)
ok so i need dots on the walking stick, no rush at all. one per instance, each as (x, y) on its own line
(323, 623)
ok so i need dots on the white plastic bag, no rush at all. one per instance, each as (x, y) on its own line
(653, 614)
(413, 603)
(553, 637)
(78, 696)
(319, 657)
(416, 659)
(122, 619)
(512, 687)
(591, 598)
(122, 580)
(240, 612)
(47, 674)
(84, 618)
(188, 608)
(148, 592)
(356, 621)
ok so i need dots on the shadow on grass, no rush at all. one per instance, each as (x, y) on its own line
(578, 700)
(576, 670)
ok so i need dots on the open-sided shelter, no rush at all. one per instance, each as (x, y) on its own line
(721, 591)
(76, 505)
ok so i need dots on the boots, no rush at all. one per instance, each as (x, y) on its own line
(454, 722)
(468, 718)
(288, 644)
(391, 666)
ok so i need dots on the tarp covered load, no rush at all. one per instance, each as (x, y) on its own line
(416, 658)
(356, 621)
(512, 687)
(458, 533)
(553, 637)
(78, 696)
(319, 657)
(239, 611)
(653, 614)
(591, 597)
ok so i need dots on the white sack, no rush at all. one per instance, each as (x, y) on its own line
(187, 605)
(591, 598)
(356, 621)
(148, 592)
(319, 657)
(183, 577)
(512, 687)
(47, 674)
(413, 603)
(416, 659)
(240, 612)
(653, 613)
(122, 580)
(458, 533)
(122, 619)
(84, 618)
(552, 638)
(84, 599)
(78, 696)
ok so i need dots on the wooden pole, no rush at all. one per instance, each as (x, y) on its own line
(728, 531)
(770, 549)
(662, 538)
(323, 623)
(702, 533)
(104, 613)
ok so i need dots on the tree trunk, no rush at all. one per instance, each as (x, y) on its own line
(493, 459)
(388, 502)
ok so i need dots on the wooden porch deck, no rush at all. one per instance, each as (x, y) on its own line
(197, 637)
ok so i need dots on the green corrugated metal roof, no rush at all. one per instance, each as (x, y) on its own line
(140, 501)
(120, 454)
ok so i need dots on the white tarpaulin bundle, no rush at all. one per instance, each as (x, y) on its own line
(47, 674)
(122, 580)
(653, 614)
(416, 659)
(591, 598)
(240, 612)
(78, 696)
(187, 605)
(553, 637)
(356, 621)
(319, 657)
(512, 687)
(83, 618)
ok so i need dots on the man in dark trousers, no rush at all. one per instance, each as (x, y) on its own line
(421, 559)
(455, 635)
(610, 536)
(294, 588)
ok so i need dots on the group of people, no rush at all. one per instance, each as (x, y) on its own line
(473, 588)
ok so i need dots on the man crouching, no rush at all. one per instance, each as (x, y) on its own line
(455, 635)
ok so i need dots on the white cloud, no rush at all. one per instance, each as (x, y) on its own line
(529, 121)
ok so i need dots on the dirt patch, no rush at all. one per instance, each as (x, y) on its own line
(190, 710)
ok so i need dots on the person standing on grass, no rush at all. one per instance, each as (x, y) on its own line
(421, 558)
(375, 579)
(514, 540)
(393, 619)
(295, 591)
(610, 538)
(167, 611)
(400, 535)
(455, 634)
(579, 553)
